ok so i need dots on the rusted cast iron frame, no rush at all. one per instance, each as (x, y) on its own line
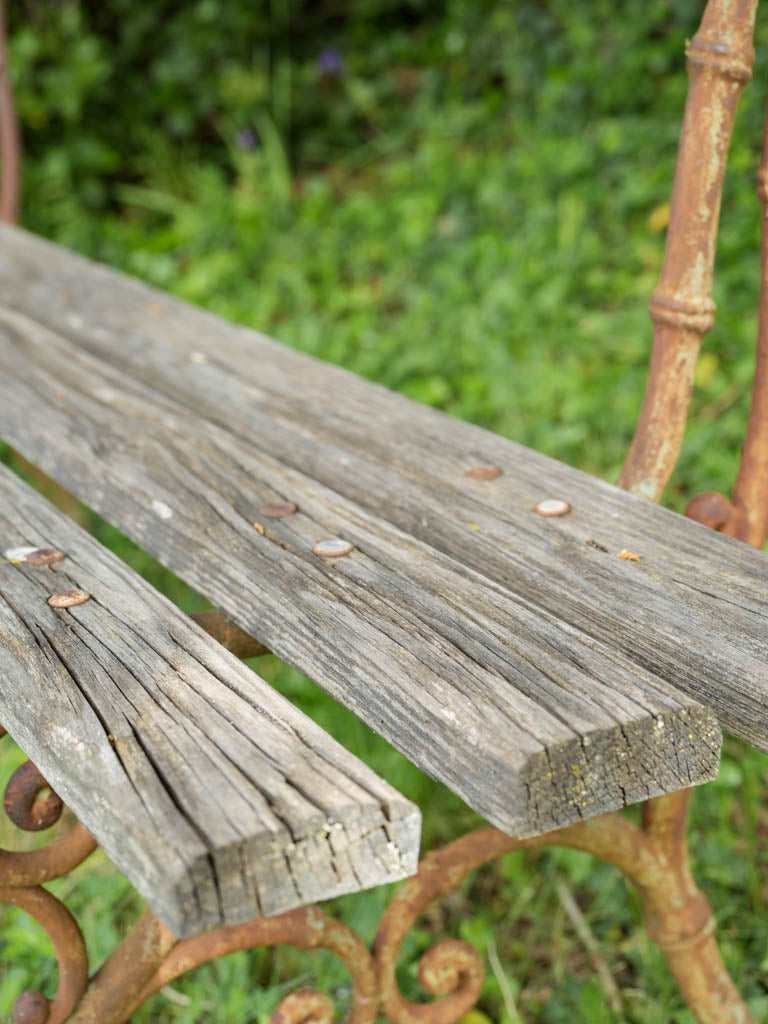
(654, 858)
(10, 138)
(720, 58)
(222, 628)
(746, 517)
(21, 878)
(305, 928)
(677, 916)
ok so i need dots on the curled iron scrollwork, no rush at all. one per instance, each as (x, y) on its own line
(21, 876)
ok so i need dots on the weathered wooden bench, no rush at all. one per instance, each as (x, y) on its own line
(549, 646)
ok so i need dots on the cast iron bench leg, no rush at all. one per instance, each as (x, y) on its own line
(653, 857)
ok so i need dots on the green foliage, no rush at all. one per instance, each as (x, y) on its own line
(464, 202)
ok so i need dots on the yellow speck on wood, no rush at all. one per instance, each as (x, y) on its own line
(473, 526)
(629, 555)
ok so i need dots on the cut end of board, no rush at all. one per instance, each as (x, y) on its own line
(613, 768)
(338, 857)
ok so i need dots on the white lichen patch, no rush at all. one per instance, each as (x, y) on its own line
(161, 509)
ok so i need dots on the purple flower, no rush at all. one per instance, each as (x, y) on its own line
(247, 139)
(330, 62)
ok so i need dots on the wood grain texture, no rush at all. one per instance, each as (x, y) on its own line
(214, 795)
(537, 675)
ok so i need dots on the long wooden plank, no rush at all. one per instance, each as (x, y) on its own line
(214, 795)
(457, 635)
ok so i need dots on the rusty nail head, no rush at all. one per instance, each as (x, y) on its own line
(44, 556)
(333, 548)
(68, 598)
(276, 509)
(552, 507)
(483, 472)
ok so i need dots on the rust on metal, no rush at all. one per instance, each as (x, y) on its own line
(483, 472)
(710, 508)
(31, 1008)
(334, 547)
(304, 1006)
(68, 598)
(125, 973)
(720, 58)
(749, 518)
(21, 801)
(305, 928)
(276, 509)
(654, 858)
(44, 556)
(68, 944)
(552, 507)
(222, 628)
(10, 135)
(33, 867)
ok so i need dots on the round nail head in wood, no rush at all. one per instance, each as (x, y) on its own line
(68, 598)
(552, 507)
(483, 472)
(335, 547)
(276, 509)
(44, 556)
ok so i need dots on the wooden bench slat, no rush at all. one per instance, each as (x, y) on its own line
(477, 644)
(214, 795)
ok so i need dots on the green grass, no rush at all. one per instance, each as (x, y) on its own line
(471, 213)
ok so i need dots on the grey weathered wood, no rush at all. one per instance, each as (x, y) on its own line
(534, 674)
(214, 795)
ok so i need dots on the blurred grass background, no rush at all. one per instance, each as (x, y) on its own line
(467, 203)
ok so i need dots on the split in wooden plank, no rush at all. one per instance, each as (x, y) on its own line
(214, 795)
(508, 695)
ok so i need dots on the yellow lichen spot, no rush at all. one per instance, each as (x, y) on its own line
(473, 526)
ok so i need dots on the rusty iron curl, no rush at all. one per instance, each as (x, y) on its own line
(653, 857)
(21, 876)
(151, 957)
